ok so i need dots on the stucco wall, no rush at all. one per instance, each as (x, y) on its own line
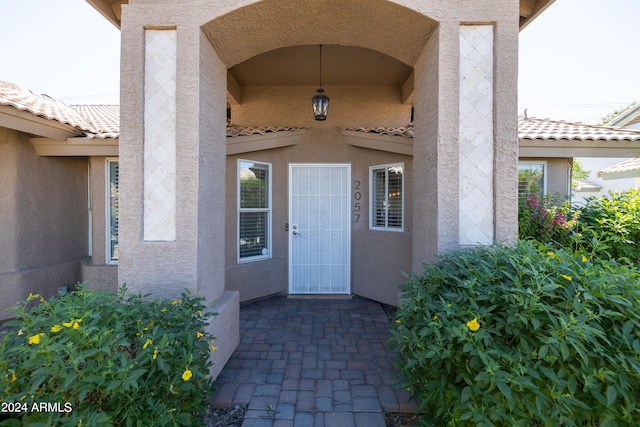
(374, 273)
(45, 231)
(559, 173)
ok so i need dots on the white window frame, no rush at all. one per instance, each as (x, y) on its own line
(268, 210)
(107, 194)
(545, 172)
(386, 167)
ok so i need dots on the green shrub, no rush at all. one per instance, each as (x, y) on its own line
(522, 336)
(106, 359)
(610, 226)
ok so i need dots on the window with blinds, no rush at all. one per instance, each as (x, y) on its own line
(254, 211)
(531, 179)
(386, 199)
(112, 211)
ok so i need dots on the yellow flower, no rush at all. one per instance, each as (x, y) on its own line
(448, 305)
(398, 321)
(67, 324)
(435, 317)
(55, 328)
(213, 348)
(164, 310)
(473, 324)
(584, 258)
(13, 377)
(566, 277)
(200, 313)
(186, 375)
(199, 334)
(35, 339)
(20, 332)
(76, 325)
(147, 343)
(35, 296)
(176, 301)
(155, 354)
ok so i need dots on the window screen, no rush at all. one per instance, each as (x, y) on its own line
(386, 199)
(254, 210)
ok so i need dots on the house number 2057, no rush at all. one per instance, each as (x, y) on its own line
(357, 195)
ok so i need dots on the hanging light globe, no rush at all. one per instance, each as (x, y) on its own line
(320, 101)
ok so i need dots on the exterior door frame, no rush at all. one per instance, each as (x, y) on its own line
(346, 212)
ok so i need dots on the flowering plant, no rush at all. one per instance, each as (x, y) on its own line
(106, 359)
(520, 336)
(545, 220)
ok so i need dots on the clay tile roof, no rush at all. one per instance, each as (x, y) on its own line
(104, 119)
(553, 130)
(628, 165)
(40, 105)
(407, 131)
(245, 131)
(587, 186)
(93, 121)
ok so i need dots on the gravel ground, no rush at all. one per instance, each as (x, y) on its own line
(225, 417)
(233, 417)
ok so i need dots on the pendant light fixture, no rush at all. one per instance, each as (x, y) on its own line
(320, 101)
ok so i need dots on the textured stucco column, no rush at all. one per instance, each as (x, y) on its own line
(172, 165)
(435, 151)
(445, 142)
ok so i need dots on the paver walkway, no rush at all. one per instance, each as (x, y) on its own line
(312, 362)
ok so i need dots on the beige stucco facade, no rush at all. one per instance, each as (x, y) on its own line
(183, 55)
(448, 68)
(43, 204)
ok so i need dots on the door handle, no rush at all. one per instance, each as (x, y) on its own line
(294, 227)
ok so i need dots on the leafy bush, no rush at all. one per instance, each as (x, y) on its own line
(520, 336)
(546, 220)
(97, 358)
(610, 226)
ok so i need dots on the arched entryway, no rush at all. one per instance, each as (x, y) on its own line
(182, 66)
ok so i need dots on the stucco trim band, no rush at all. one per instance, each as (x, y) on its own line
(75, 147)
(160, 71)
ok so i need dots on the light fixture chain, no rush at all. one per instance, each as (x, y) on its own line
(320, 65)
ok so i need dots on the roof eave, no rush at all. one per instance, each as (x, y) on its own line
(577, 148)
(25, 121)
(71, 147)
(112, 10)
(531, 9)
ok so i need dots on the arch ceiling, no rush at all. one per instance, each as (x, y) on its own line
(275, 42)
(265, 26)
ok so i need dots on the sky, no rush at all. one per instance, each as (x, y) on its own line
(62, 48)
(578, 61)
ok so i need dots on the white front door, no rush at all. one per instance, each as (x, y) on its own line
(319, 229)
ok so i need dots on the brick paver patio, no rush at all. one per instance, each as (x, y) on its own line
(312, 362)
